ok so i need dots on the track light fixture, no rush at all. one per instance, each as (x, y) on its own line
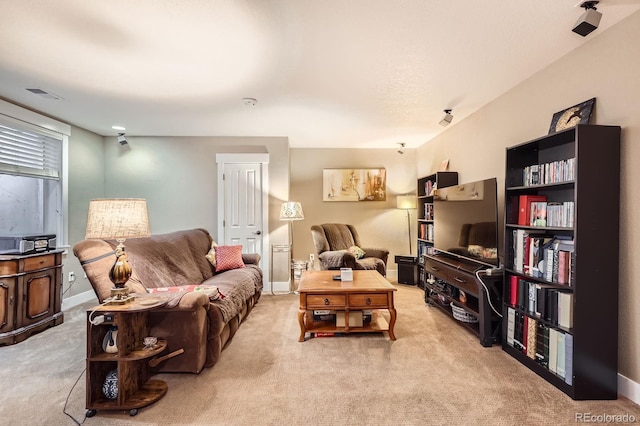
(447, 119)
(121, 139)
(401, 149)
(589, 20)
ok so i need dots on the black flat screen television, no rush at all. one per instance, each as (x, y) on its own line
(466, 221)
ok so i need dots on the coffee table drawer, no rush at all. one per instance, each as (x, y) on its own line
(326, 300)
(368, 300)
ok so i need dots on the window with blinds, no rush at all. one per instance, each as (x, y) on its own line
(31, 187)
(27, 152)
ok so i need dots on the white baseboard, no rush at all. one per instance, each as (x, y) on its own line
(629, 389)
(78, 299)
(278, 287)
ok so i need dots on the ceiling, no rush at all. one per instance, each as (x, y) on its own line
(330, 73)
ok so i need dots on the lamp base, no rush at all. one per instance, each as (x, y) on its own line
(119, 296)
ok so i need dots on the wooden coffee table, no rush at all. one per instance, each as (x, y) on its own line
(368, 291)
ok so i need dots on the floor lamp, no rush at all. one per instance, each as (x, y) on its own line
(291, 210)
(407, 202)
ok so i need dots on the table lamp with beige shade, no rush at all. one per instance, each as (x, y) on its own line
(118, 219)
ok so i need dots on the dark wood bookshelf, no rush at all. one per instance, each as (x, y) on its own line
(424, 187)
(594, 190)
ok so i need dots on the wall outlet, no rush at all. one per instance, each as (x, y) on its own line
(72, 277)
(312, 258)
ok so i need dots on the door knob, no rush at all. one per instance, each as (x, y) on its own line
(257, 233)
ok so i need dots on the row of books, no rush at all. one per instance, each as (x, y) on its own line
(534, 210)
(541, 301)
(429, 186)
(550, 258)
(428, 211)
(549, 347)
(553, 172)
(424, 249)
(425, 231)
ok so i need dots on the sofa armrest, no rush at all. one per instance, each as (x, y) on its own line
(337, 259)
(380, 253)
(188, 301)
(251, 258)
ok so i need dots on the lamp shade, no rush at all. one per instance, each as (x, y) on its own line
(118, 218)
(291, 210)
(406, 202)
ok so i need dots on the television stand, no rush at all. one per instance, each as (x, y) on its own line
(455, 289)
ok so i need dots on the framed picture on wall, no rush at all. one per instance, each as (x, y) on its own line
(354, 185)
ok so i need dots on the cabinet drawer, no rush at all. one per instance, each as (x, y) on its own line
(39, 262)
(326, 300)
(437, 269)
(368, 300)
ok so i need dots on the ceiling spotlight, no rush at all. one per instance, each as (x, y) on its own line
(401, 149)
(589, 20)
(121, 139)
(446, 120)
(249, 102)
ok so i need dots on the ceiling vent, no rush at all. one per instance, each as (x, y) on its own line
(44, 94)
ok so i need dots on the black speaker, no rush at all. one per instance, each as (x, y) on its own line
(407, 270)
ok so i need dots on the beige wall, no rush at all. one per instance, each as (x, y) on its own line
(606, 68)
(379, 223)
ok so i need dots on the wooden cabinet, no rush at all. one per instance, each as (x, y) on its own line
(453, 285)
(576, 174)
(30, 294)
(426, 185)
(130, 361)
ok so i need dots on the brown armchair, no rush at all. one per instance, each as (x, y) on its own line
(332, 242)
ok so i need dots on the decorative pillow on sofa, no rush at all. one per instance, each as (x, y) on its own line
(211, 256)
(228, 257)
(357, 252)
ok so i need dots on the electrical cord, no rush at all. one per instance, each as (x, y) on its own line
(487, 291)
(64, 409)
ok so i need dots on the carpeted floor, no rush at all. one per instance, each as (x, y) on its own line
(435, 373)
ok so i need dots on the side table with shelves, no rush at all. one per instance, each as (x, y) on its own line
(132, 360)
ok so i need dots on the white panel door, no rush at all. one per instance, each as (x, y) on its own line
(243, 206)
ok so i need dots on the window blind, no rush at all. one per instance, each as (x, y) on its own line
(27, 150)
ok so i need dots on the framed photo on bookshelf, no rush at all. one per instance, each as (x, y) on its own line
(572, 116)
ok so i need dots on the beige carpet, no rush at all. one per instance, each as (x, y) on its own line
(435, 373)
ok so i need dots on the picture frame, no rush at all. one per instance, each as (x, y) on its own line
(572, 116)
(354, 184)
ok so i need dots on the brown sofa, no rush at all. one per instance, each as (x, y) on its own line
(189, 320)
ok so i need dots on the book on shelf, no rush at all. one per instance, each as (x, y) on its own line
(324, 315)
(553, 350)
(511, 318)
(532, 333)
(565, 309)
(568, 359)
(524, 207)
(560, 363)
